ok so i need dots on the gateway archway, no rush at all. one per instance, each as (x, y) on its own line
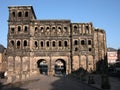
(60, 67)
(43, 66)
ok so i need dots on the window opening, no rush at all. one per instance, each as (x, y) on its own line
(13, 13)
(25, 43)
(26, 14)
(75, 42)
(65, 44)
(53, 28)
(36, 44)
(87, 28)
(18, 44)
(89, 42)
(76, 49)
(12, 43)
(36, 28)
(41, 43)
(19, 14)
(60, 43)
(75, 27)
(48, 44)
(53, 43)
(41, 29)
(65, 28)
(82, 42)
(19, 28)
(90, 49)
(25, 29)
(47, 28)
(12, 30)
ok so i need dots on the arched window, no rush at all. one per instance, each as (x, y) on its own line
(65, 43)
(41, 29)
(18, 44)
(36, 44)
(12, 30)
(41, 43)
(65, 28)
(89, 42)
(90, 49)
(60, 43)
(12, 43)
(82, 42)
(75, 27)
(59, 28)
(76, 42)
(19, 14)
(26, 28)
(76, 49)
(87, 27)
(25, 43)
(47, 43)
(36, 28)
(47, 28)
(53, 28)
(53, 43)
(26, 14)
(19, 28)
(13, 14)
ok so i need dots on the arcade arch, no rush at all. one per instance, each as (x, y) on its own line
(43, 66)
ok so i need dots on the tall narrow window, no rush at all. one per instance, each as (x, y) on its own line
(12, 30)
(53, 44)
(13, 14)
(36, 29)
(25, 43)
(65, 43)
(76, 42)
(36, 44)
(89, 42)
(60, 43)
(87, 27)
(75, 27)
(19, 28)
(19, 14)
(41, 43)
(41, 29)
(25, 29)
(65, 28)
(82, 42)
(18, 44)
(12, 43)
(48, 44)
(53, 28)
(26, 14)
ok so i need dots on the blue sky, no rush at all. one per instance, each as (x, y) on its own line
(104, 14)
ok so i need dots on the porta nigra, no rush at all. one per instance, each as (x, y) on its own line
(50, 47)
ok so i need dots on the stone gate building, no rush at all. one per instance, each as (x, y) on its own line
(50, 46)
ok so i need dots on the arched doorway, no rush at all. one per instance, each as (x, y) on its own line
(43, 66)
(60, 67)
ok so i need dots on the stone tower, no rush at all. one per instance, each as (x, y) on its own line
(50, 46)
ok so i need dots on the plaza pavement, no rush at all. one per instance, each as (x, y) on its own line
(61, 83)
(49, 83)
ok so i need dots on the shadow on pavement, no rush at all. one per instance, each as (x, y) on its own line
(11, 87)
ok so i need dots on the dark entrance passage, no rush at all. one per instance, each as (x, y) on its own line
(60, 67)
(43, 66)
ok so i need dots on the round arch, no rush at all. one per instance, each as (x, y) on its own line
(60, 67)
(43, 66)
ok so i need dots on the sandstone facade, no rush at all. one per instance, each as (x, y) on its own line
(48, 46)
